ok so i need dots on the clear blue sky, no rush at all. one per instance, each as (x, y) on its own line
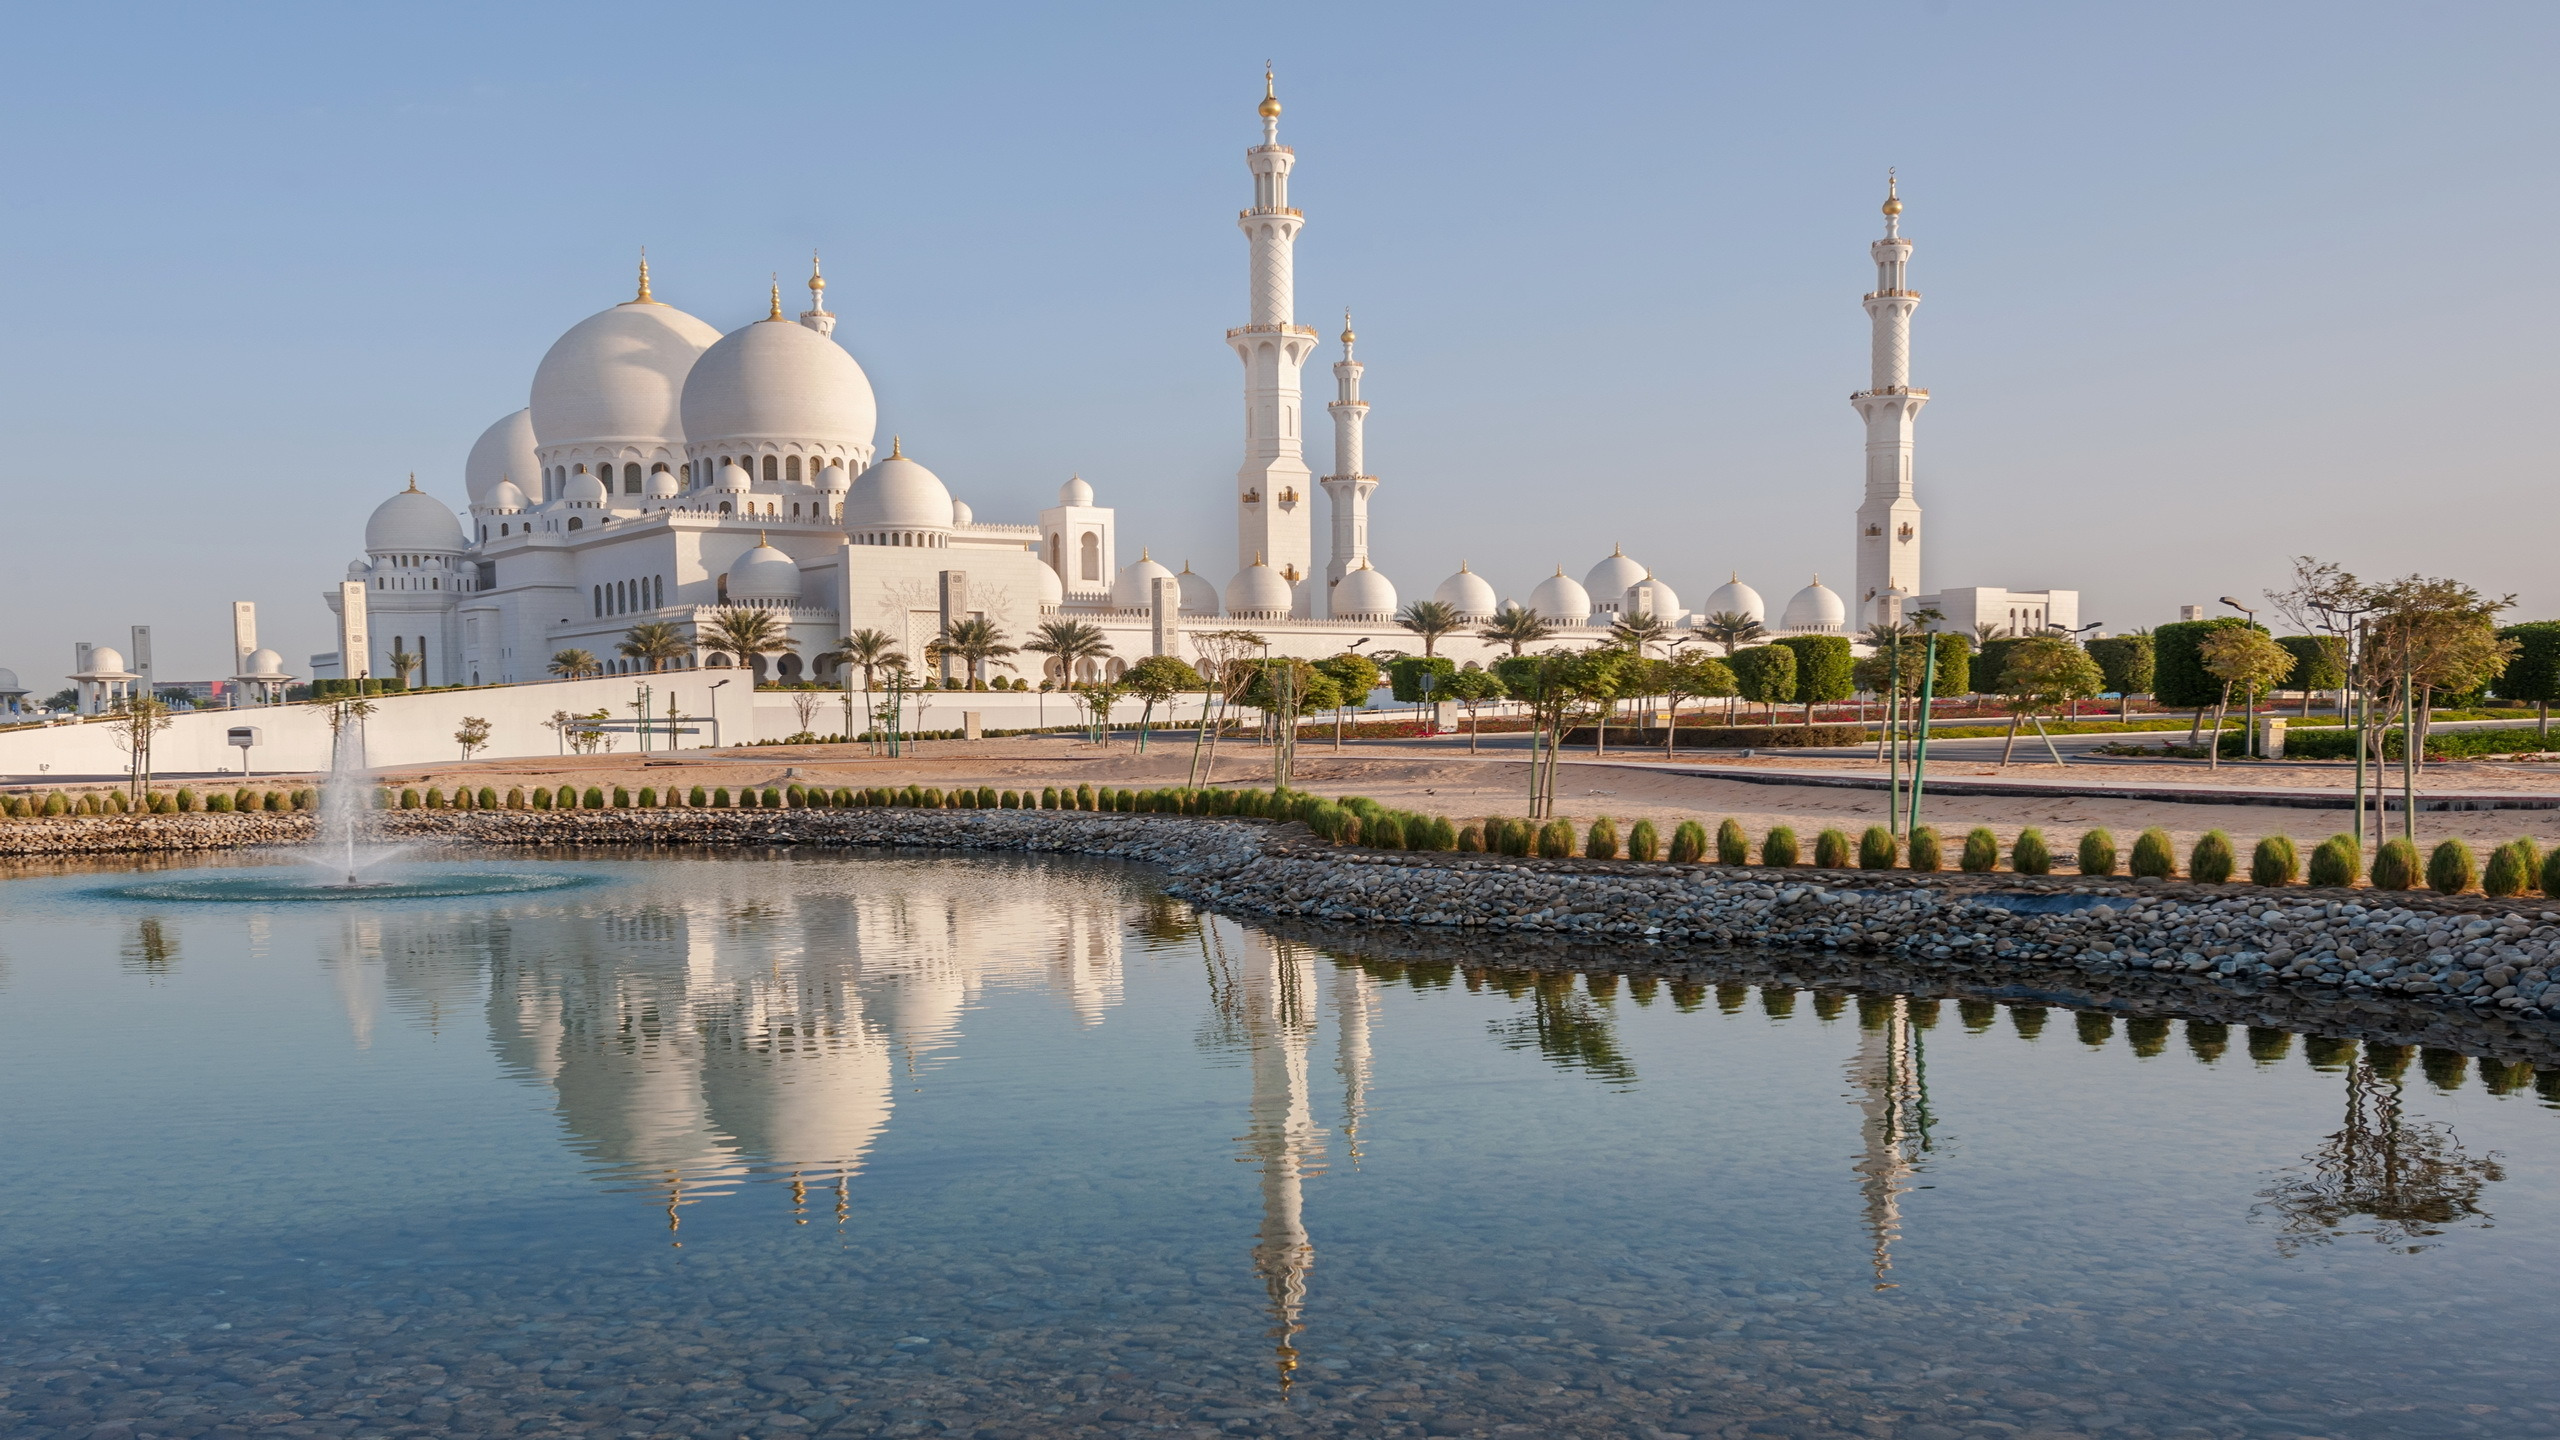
(2206, 285)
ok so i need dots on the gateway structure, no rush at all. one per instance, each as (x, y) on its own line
(664, 473)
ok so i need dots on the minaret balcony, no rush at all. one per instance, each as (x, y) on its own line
(1913, 390)
(1891, 295)
(1291, 211)
(1359, 405)
(1271, 330)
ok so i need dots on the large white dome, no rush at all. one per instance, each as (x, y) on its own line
(1364, 594)
(783, 382)
(764, 573)
(1053, 591)
(1734, 597)
(1133, 590)
(504, 498)
(1259, 591)
(263, 664)
(618, 376)
(412, 520)
(1075, 492)
(504, 451)
(1608, 581)
(1199, 597)
(1650, 596)
(1561, 601)
(897, 493)
(105, 660)
(1816, 610)
(1467, 593)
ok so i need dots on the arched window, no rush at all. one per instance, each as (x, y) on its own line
(599, 600)
(770, 468)
(724, 589)
(1090, 547)
(724, 507)
(1054, 562)
(576, 524)
(795, 508)
(659, 584)
(631, 478)
(502, 530)
(687, 472)
(791, 472)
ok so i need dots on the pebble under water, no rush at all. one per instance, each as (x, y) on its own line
(752, 1144)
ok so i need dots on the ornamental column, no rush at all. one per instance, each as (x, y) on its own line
(1889, 517)
(1347, 489)
(1273, 491)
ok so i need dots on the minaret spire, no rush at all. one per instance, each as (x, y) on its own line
(1889, 516)
(1348, 488)
(1273, 513)
(816, 316)
(643, 297)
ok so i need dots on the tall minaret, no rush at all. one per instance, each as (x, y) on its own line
(1274, 499)
(1347, 489)
(816, 316)
(1889, 520)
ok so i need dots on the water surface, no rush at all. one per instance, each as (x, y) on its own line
(782, 1144)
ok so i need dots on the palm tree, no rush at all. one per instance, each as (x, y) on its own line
(1069, 642)
(655, 644)
(974, 642)
(1638, 630)
(575, 664)
(748, 634)
(402, 662)
(869, 649)
(1731, 629)
(1430, 619)
(1515, 626)
(1988, 630)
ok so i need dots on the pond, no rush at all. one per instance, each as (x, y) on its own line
(778, 1143)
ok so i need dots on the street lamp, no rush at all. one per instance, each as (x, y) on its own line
(2249, 737)
(2348, 624)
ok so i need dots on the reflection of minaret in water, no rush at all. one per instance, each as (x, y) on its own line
(1354, 1000)
(1283, 1138)
(1891, 1077)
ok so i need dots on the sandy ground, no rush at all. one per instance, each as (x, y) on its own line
(1442, 779)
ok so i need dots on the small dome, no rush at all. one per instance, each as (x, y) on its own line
(1561, 601)
(1053, 591)
(358, 570)
(9, 682)
(734, 479)
(1259, 591)
(663, 485)
(412, 520)
(835, 479)
(1467, 593)
(264, 664)
(1199, 597)
(504, 499)
(1816, 610)
(1134, 589)
(503, 451)
(961, 514)
(1608, 581)
(105, 660)
(1650, 596)
(583, 490)
(1364, 594)
(898, 492)
(1734, 597)
(777, 381)
(618, 375)
(764, 573)
(1075, 492)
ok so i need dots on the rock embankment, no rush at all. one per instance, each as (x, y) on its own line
(2467, 952)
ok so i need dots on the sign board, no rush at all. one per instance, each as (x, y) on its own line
(245, 736)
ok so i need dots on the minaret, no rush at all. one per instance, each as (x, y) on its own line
(816, 316)
(1889, 519)
(1891, 1092)
(1274, 500)
(1347, 489)
(1282, 1137)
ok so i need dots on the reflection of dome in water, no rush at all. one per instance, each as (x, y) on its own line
(799, 1093)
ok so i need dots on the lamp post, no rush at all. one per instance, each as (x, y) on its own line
(2249, 701)
(2347, 622)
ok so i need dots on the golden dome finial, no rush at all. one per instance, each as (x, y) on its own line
(413, 482)
(776, 312)
(1892, 192)
(1270, 98)
(817, 281)
(1347, 336)
(894, 452)
(761, 542)
(643, 297)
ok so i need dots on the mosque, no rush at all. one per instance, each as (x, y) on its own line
(665, 472)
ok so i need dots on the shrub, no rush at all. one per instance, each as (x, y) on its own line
(1510, 836)
(1048, 797)
(2030, 855)
(541, 797)
(2274, 861)
(2450, 869)
(435, 799)
(1878, 849)
(488, 797)
(2395, 866)
(220, 804)
(2152, 855)
(1471, 839)
(1603, 841)
(409, 800)
(648, 797)
(720, 798)
(2551, 874)
(1689, 842)
(772, 798)
(2098, 853)
(621, 798)
(1981, 852)
(1732, 846)
(594, 799)
(2212, 860)
(1644, 842)
(1779, 848)
(186, 800)
(987, 797)
(1928, 852)
(2511, 868)
(1831, 847)
(1084, 797)
(1386, 833)
(1555, 840)
(274, 800)
(2336, 860)
(1437, 834)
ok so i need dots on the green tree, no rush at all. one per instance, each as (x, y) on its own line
(867, 649)
(976, 643)
(1690, 676)
(1430, 619)
(134, 724)
(1354, 677)
(2126, 662)
(1068, 643)
(1156, 680)
(749, 635)
(2045, 673)
(1765, 675)
(1515, 626)
(1472, 687)
(472, 734)
(2319, 663)
(655, 644)
(1824, 670)
(2533, 672)
(575, 664)
(2179, 680)
(2248, 658)
(402, 662)
(1406, 677)
(1730, 628)
(1638, 631)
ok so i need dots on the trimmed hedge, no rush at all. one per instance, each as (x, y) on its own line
(1730, 737)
